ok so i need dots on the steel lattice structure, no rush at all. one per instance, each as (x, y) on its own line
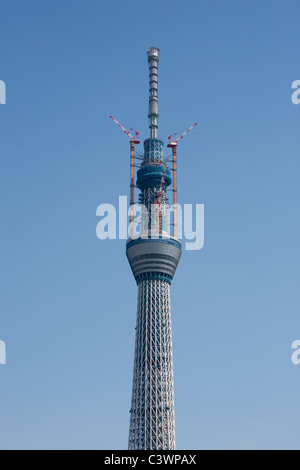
(152, 421)
(153, 262)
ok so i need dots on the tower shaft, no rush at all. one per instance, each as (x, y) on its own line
(152, 421)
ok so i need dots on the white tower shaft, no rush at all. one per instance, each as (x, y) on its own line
(152, 421)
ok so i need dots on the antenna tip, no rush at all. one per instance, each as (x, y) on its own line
(153, 52)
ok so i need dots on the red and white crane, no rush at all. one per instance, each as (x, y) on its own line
(133, 141)
(173, 145)
(133, 138)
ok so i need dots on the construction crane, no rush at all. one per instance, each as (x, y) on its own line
(132, 137)
(173, 145)
(133, 142)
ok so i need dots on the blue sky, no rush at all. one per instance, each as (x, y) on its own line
(67, 299)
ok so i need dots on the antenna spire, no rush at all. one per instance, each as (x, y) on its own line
(153, 59)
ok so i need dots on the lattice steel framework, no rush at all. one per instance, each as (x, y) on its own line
(152, 421)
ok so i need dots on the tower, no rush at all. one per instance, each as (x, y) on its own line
(153, 258)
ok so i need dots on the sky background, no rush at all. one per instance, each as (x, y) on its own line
(67, 299)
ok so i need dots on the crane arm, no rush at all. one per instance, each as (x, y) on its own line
(172, 141)
(132, 137)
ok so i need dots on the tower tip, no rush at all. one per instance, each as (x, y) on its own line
(153, 52)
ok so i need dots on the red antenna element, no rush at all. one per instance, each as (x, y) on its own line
(158, 201)
(173, 145)
(133, 141)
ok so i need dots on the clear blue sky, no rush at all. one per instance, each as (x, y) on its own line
(67, 299)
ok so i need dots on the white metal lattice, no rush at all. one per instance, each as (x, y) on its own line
(152, 419)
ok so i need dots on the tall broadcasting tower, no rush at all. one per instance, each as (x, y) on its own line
(153, 261)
